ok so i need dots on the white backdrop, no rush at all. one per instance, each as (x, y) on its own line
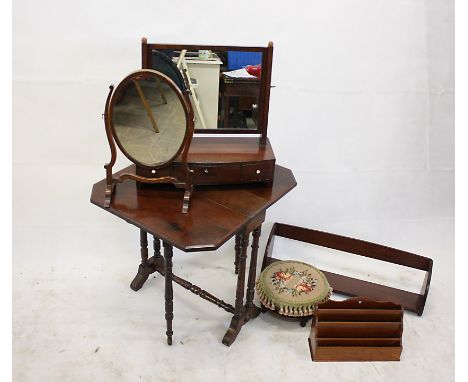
(362, 109)
(362, 112)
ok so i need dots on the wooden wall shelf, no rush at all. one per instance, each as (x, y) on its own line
(357, 329)
(350, 286)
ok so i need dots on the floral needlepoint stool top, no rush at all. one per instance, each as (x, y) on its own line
(292, 288)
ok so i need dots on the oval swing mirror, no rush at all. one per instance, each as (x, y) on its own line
(151, 120)
(149, 117)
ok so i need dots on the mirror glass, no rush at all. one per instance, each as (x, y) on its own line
(224, 85)
(149, 118)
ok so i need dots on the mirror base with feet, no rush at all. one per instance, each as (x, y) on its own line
(223, 160)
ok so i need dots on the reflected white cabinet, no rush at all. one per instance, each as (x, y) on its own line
(206, 75)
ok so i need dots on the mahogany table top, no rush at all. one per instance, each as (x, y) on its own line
(216, 213)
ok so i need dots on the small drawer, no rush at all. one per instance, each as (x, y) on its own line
(156, 173)
(224, 174)
(257, 172)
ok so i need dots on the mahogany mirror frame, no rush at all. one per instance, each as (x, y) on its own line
(265, 81)
(185, 181)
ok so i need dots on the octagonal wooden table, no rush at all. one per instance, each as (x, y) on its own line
(216, 214)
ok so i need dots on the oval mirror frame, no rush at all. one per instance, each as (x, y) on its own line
(149, 73)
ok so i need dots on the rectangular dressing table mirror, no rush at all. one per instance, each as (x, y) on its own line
(226, 99)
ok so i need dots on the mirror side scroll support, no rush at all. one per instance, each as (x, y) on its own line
(267, 61)
(188, 172)
(108, 166)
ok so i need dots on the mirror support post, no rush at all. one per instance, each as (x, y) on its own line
(108, 166)
(188, 172)
(144, 54)
(266, 92)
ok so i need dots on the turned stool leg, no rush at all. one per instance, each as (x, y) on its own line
(168, 290)
(237, 254)
(303, 321)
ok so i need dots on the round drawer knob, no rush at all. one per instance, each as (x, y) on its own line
(258, 171)
(205, 171)
(153, 171)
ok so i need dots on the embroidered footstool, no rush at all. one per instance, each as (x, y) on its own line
(292, 288)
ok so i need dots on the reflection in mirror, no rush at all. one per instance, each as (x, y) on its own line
(149, 119)
(224, 85)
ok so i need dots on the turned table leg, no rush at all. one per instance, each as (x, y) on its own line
(142, 274)
(147, 266)
(156, 248)
(237, 254)
(168, 290)
(252, 310)
(143, 247)
(236, 322)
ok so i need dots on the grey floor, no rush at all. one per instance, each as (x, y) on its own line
(76, 319)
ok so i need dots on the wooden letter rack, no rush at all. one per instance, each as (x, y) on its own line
(357, 329)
